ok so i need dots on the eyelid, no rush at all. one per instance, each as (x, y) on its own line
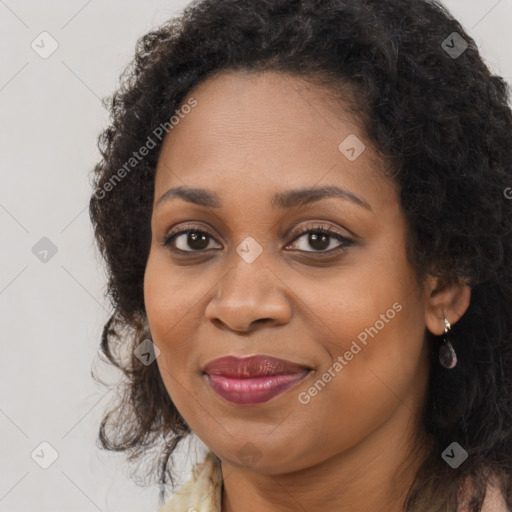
(314, 226)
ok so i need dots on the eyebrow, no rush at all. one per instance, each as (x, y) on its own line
(284, 200)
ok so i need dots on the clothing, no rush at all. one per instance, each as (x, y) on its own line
(203, 491)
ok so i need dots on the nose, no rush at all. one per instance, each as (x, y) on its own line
(249, 295)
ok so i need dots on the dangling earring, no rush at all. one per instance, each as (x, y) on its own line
(447, 355)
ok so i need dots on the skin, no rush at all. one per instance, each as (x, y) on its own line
(251, 136)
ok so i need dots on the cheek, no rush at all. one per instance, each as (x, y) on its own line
(158, 298)
(373, 318)
(168, 296)
(363, 299)
(349, 398)
(167, 301)
(166, 307)
(381, 325)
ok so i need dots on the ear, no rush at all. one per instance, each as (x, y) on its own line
(444, 300)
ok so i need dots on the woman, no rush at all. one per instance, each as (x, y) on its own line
(303, 208)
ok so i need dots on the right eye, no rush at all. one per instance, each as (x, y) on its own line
(196, 239)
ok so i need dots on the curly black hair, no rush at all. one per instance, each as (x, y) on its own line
(430, 105)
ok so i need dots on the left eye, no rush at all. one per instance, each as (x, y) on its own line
(321, 240)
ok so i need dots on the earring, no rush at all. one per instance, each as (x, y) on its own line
(447, 355)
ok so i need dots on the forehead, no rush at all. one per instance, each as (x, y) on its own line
(263, 131)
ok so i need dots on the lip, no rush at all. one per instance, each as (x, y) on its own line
(253, 380)
(252, 366)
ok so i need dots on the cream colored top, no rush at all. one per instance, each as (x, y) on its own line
(203, 491)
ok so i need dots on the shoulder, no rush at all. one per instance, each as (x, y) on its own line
(202, 492)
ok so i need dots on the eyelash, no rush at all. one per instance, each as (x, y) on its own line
(317, 229)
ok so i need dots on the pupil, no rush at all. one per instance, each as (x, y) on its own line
(319, 241)
(197, 240)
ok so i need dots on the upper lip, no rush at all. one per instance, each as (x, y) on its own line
(252, 366)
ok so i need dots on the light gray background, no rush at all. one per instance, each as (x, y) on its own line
(52, 313)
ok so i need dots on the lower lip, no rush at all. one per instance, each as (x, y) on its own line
(252, 391)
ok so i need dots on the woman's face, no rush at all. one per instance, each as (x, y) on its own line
(263, 281)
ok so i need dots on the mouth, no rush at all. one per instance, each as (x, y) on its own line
(253, 380)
